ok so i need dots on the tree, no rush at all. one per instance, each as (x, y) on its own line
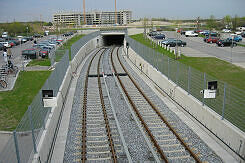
(235, 22)
(227, 21)
(211, 22)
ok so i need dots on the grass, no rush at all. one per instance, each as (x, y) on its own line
(13, 104)
(217, 68)
(39, 62)
(240, 44)
(67, 46)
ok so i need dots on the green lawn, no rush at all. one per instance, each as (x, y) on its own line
(13, 104)
(239, 44)
(217, 68)
(39, 62)
(67, 45)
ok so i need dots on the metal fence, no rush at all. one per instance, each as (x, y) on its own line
(80, 43)
(22, 144)
(229, 102)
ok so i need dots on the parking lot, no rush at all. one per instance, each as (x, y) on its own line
(16, 52)
(196, 47)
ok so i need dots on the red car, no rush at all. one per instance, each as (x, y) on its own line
(11, 43)
(43, 53)
(212, 40)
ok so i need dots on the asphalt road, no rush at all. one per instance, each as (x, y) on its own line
(196, 44)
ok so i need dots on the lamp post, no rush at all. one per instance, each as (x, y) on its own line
(232, 38)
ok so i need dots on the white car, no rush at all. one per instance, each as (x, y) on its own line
(191, 34)
(5, 34)
(6, 44)
(226, 30)
(238, 32)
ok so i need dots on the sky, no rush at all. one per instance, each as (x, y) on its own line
(32, 10)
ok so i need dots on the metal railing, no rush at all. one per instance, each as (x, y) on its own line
(23, 142)
(229, 102)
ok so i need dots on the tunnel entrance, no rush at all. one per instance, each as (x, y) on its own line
(113, 39)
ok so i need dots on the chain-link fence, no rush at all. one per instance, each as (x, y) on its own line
(23, 142)
(229, 102)
(80, 43)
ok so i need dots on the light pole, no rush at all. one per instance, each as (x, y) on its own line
(232, 37)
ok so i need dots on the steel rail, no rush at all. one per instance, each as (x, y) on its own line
(138, 113)
(84, 123)
(114, 157)
(196, 158)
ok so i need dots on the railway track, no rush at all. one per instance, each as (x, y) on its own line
(100, 138)
(170, 146)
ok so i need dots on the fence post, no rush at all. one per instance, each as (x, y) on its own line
(189, 79)
(204, 86)
(16, 147)
(43, 115)
(224, 100)
(168, 68)
(32, 129)
(177, 76)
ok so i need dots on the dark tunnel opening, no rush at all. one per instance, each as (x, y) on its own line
(109, 40)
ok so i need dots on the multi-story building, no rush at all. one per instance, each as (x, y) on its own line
(93, 18)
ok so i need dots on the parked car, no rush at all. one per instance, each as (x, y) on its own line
(1, 46)
(212, 34)
(226, 30)
(12, 43)
(226, 42)
(236, 38)
(37, 35)
(43, 53)
(29, 53)
(153, 33)
(68, 34)
(16, 41)
(182, 32)
(59, 40)
(211, 39)
(172, 43)
(243, 34)
(238, 32)
(24, 40)
(197, 31)
(45, 48)
(166, 40)
(205, 32)
(191, 34)
(6, 44)
(29, 38)
(4, 34)
(160, 36)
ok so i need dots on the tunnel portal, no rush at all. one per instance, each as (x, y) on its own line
(110, 39)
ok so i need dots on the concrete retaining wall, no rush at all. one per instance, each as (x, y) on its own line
(223, 129)
(46, 139)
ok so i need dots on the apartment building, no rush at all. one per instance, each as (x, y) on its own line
(93, 18)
